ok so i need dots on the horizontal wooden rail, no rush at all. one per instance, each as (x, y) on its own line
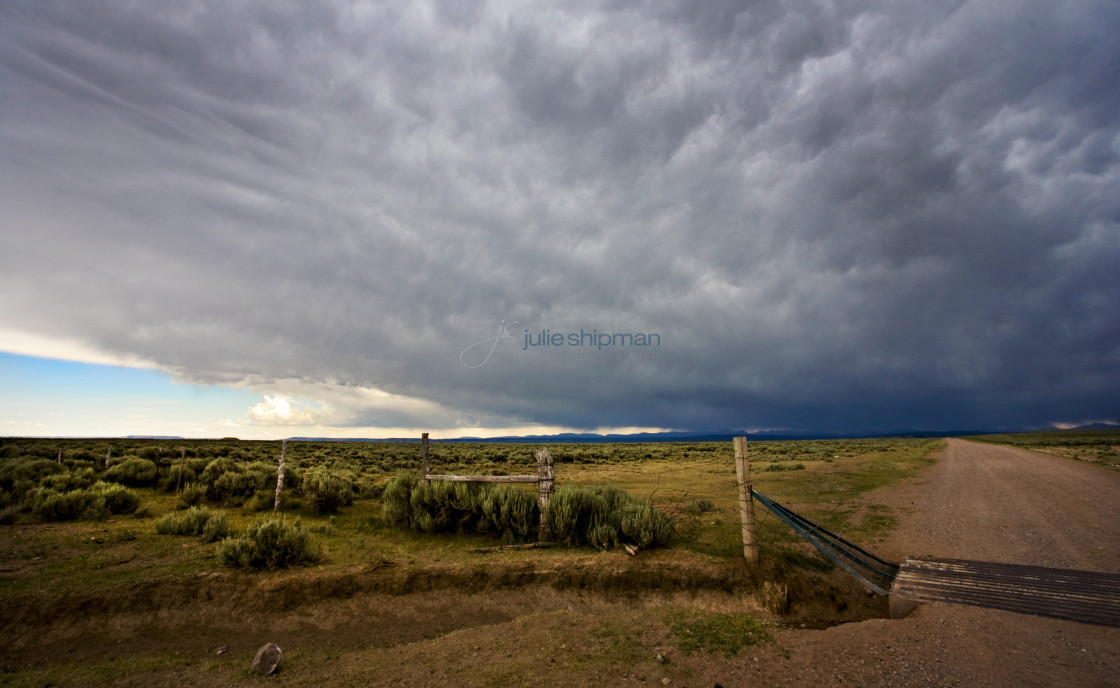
(486, 478)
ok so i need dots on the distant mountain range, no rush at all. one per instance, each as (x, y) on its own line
(678, 436)
(675, 436)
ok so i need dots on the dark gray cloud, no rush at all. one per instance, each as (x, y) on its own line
(866, 216)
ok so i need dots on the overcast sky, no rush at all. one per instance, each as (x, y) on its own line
(828, 217)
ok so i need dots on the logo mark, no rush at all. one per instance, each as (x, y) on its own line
(503, 333)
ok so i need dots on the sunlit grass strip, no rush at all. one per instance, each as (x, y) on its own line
(715, 632)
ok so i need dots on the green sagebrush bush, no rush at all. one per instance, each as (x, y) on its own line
(81, 457)
(189, 522)
(327, 491)
(779, 467)
(26, 471)
(19, 494)
(96, 510)
(396, 499)
(605, 517)
(29, 485)
(228, 486)
(216, 527)
(215, 468)
(576, 516)
(603, 535)
(178, 476)
(132, 471)
(32, 498)
(269, 543)
(645, 526)
(9, 516)
(192, 495)
(227, 481)
(695, 507)
(260, 501)
(119, 499)
(573, 512)
(510, 513)
(199, 520)
(439, 506)
(76, 479)
(195, 463)
(150, 453)
(367, 488)
(93, 503)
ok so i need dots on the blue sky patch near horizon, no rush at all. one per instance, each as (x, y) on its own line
(45, 396)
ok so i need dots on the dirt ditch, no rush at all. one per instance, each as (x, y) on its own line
(387, 603)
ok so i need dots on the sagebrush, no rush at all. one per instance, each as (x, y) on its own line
(197, 520)
(576, 516)
(269, 543)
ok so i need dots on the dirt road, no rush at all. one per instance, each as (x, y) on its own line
(994, 503)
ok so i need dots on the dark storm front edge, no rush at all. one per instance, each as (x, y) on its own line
(594, 338)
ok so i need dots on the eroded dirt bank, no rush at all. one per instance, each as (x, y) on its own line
(385, 603)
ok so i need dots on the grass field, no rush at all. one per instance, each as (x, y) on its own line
(823, 479)
(1095, 446)
(53, 571)
(392, 606)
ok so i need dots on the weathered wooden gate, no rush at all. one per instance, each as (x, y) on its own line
(545, 480)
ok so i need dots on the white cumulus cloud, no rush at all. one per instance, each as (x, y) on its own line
(279, 411)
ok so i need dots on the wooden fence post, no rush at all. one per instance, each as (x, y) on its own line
(544, 490)
(280, 474)
(424, 456)
(746, 501)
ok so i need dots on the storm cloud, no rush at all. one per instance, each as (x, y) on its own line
(835, 216)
